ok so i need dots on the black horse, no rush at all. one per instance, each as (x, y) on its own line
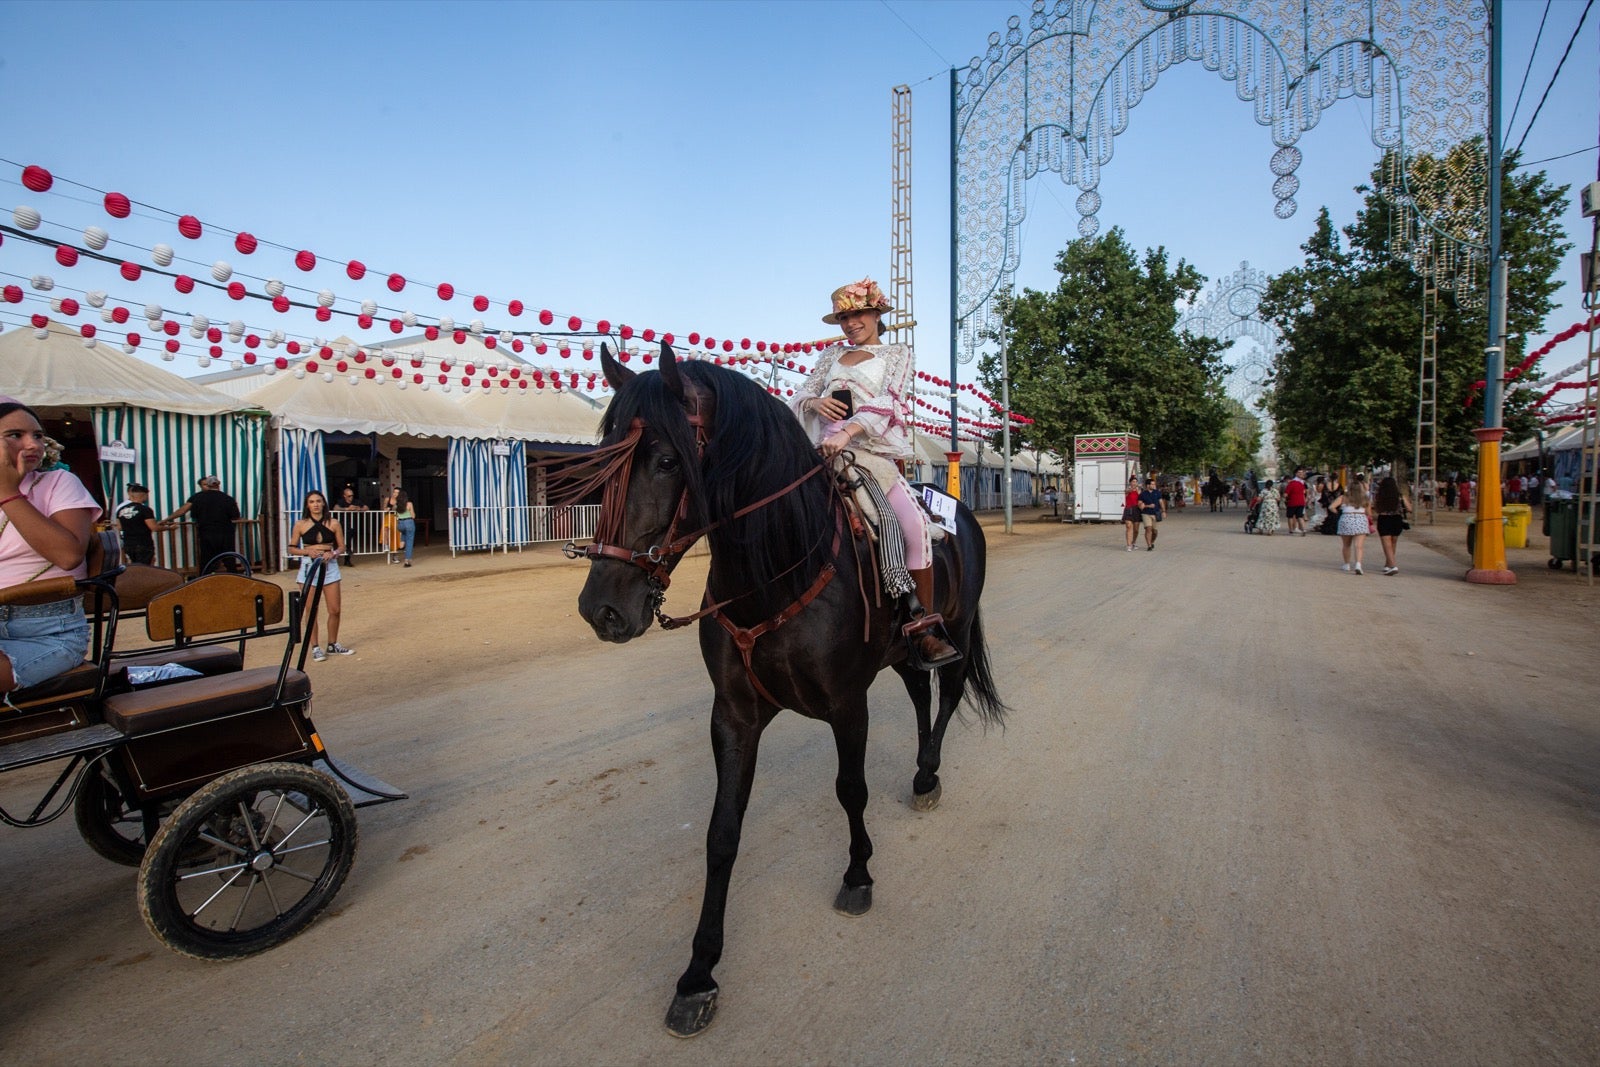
(793, 618)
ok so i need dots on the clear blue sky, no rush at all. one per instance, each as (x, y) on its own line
(717, 167)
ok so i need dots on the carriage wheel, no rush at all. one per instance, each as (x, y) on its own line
(248, 861)
(106, 821)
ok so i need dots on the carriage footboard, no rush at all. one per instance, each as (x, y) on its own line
(363, 789)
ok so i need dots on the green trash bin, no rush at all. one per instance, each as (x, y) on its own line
(1562, 517)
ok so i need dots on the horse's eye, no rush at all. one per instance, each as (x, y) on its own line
(667, 464)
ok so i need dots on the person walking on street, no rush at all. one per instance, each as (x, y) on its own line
(1294, 502)
(139, 525)
(1151, 511)
(1355, 522)
(1391, 506)
(1267, 518)
(214, 515)
(1130, 513)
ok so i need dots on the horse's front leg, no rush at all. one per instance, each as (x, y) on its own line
(735, 737)
(850, 736)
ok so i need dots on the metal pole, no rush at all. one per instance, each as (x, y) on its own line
(1005, 423)
(955, 149)
(1489, 551)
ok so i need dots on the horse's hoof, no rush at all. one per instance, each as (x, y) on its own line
(853, 900)
(690, 1015)
(926, 801)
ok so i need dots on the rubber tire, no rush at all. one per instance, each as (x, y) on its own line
(98, 810)
(164, 861)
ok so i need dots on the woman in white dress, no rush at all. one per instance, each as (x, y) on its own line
(858, 398)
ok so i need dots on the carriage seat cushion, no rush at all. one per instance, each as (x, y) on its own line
(199, 699)
(207, 659)
(82, 679)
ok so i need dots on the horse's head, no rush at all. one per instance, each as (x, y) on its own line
(653, 429)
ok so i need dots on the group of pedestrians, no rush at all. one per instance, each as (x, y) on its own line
(1354, 513)
(1142, 509)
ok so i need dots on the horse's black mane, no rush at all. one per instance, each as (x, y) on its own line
(756, 448)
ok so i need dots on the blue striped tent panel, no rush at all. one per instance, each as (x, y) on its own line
(301, 469)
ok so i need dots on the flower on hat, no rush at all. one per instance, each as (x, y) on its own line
(860, 296)
(857, 296)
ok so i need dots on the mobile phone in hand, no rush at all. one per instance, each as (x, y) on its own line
(844, 397)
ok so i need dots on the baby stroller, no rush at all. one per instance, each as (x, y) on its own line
(1254, 517)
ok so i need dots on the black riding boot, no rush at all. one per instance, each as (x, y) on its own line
(929, 647)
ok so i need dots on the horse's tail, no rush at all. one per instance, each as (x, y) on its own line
(977, 683)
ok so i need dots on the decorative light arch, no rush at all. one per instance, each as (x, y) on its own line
(1231, 311)
(1053, 95)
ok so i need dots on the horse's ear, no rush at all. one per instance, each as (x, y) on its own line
(616, 373)
(669, 372)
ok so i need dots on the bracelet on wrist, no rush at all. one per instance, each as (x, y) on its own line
(14, 497)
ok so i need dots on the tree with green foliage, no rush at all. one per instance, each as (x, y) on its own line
(1102, 352)
(1234, 453)
(1344, 387)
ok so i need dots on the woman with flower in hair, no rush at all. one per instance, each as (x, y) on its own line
(46, 518)
(858, 399)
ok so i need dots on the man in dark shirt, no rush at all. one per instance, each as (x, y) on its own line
(214, 515)
(1151, 509)
(139, 526)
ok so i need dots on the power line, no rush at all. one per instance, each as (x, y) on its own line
(914, 33)
(1535, 118)
(1512, 121)
(1551, 159)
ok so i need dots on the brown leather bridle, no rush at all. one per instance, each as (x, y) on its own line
(612, 466)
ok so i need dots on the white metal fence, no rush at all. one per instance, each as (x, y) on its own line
(477, 529)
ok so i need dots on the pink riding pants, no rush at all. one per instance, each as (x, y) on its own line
(919, 550)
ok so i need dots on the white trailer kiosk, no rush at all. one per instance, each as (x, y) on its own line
(1102, 463)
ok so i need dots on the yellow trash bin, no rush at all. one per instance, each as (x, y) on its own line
(1518, 516)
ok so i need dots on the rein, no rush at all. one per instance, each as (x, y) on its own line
(611, 466)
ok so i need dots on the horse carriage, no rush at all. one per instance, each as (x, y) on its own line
(206, 774)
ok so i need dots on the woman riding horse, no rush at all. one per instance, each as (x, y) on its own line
(857, 399)
(790, 617)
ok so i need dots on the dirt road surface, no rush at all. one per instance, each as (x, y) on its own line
(1248, 809)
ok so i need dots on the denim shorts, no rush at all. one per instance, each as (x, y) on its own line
(43, 640)
(329, 578)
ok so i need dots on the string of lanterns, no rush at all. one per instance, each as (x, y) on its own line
(1533, 357)
(98, 245)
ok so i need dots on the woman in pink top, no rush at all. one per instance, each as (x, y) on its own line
(46, 517)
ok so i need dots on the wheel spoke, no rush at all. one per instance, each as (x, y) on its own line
(301, 848)
(266, 883)
(293, 830)
(243, 903)
(223, 888)
(212, 839)
(235, 867)
(292, 873)
(245, 813)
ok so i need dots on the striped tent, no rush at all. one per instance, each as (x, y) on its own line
(488, 494)
(173, 431)
(301, 469)
(173, 452)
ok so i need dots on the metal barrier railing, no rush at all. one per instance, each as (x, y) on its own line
(363, 531)
(490, 528)
(176, 548)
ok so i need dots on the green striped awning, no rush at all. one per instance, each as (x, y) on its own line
(173, 452)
